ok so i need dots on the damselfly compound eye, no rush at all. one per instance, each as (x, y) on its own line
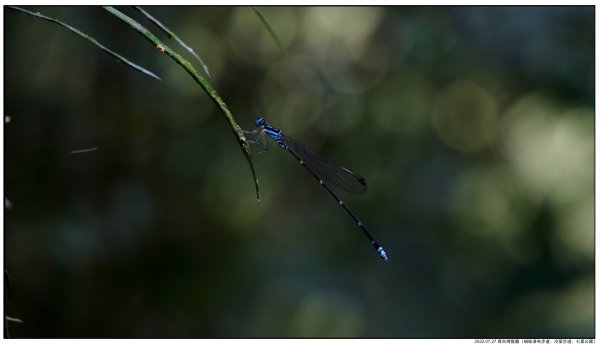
(260, 122)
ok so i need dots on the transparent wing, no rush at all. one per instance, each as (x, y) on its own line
(328, 170)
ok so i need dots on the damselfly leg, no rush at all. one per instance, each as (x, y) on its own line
(260, 139)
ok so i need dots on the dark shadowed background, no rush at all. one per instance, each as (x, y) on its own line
(474, 127)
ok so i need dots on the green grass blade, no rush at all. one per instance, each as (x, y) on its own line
(89, 38)
(237, 131)
(173, 35)
(271, 32)
(7, 318)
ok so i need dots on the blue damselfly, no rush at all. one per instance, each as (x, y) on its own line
(323, 169)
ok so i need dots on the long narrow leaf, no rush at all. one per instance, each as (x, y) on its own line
(89, 38)
(7, 318)
(173, 35)
(237, 131)
(271, 32)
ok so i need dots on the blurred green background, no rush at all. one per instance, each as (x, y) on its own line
(474, 127)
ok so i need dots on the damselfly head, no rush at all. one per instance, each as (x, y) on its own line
(260, 122)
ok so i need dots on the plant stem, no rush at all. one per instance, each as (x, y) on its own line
(237, 131)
